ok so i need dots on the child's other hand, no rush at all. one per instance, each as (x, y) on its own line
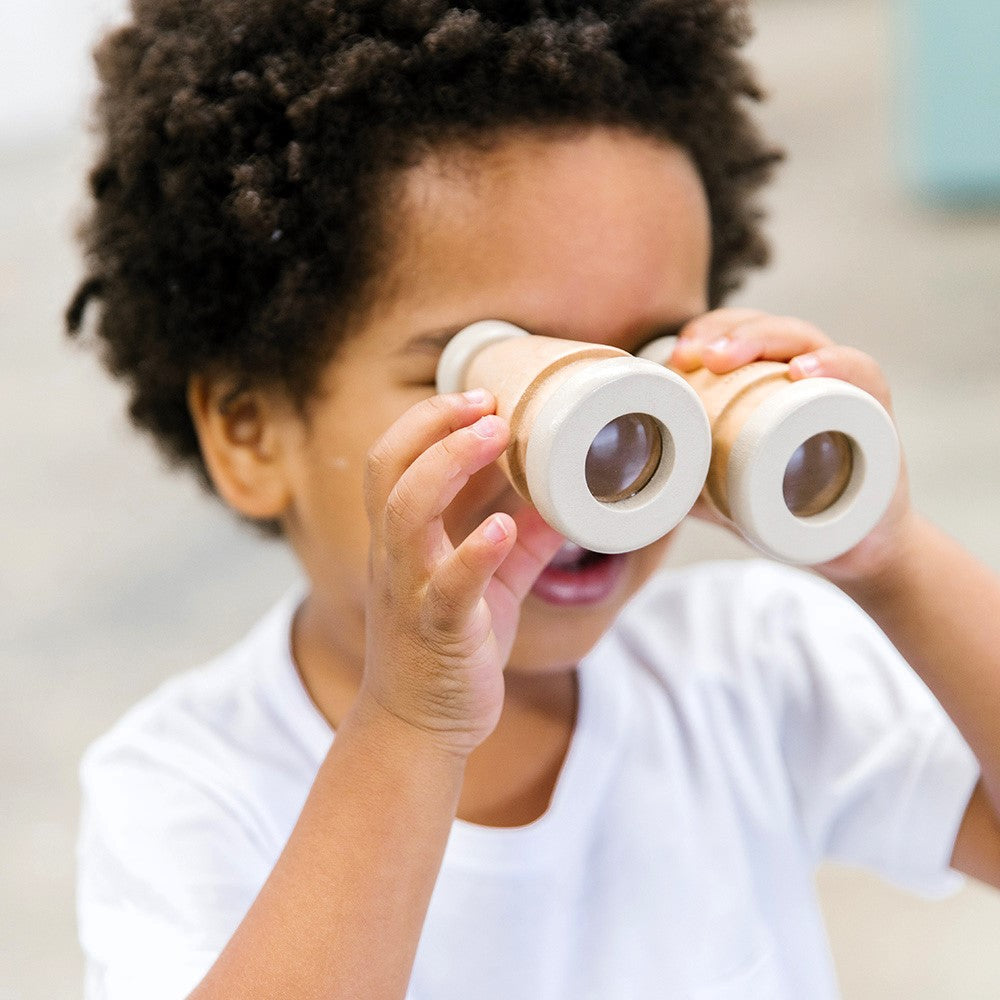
(441, 618)
(726, 339)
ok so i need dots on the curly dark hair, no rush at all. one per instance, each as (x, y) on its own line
(248, 147)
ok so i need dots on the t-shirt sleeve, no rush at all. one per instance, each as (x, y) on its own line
(880, 775)
(167, 869)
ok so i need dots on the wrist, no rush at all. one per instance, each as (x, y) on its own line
(370, 719)
(897, 566)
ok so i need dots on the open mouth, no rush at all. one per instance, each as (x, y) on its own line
(576, 575)
(572, 557)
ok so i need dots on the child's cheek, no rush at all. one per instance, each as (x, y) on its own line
(487, 492)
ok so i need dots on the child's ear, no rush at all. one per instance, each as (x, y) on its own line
(242, 433)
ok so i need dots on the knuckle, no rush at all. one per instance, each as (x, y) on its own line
(805, 329)
(759, 327)
(837, 356)
(447, 599)
(401, 510)
(859, 358)
(703, 325)
(690, 329)
(736, 324)
(449, 454)
(442, 610)
(732, 316)
(376, 462)
(751, 336)
(694, 328)
(438, 407)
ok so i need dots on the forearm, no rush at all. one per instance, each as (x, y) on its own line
(940, 607)
(342, 912)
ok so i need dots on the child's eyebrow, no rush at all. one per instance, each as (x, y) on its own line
(434, 341)
(430, 341)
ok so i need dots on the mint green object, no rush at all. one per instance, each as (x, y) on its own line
(951, 98)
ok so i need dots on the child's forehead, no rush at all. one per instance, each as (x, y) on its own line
(517, 159)
(597, 184)
(600, 194)
(578, 237)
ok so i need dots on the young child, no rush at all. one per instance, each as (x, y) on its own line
(555, 774)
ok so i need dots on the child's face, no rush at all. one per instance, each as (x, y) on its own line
(601, 236)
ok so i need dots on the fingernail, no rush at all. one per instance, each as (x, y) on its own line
(495, 530)
(685, 354)
(720, 345)
(485, 427)
(475, 396)
(807, 364)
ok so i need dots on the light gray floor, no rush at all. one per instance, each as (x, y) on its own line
(115, 573)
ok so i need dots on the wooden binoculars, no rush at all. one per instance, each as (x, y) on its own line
(613, 450)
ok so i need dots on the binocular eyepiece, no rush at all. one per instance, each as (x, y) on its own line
(613, 450)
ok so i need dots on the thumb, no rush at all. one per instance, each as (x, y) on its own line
(536, 544)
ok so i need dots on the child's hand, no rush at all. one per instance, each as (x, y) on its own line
(441, 618)
(726, 339)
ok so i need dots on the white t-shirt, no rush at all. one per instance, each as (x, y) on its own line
(738, 723)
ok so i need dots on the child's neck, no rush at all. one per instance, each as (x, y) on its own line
(510, 777)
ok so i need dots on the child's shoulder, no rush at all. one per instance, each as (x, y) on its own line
(217, 721)
(773, 638)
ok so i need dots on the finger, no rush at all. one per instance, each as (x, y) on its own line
(460, 581)
(846, 363)
(414, 432)
(537, 543)
(714, 324)
(703, 330)
(411, 527)
(762, 338)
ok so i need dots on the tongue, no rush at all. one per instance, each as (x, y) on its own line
(569, 555)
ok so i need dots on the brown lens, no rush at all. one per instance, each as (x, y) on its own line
(818, 473)
(623, 457)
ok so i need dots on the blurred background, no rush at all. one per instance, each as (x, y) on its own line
(116, 573)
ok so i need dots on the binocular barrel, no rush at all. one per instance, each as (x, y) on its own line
(614, 450)
(803, 469)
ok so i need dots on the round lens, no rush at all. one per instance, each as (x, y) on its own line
(623, 457)
(818, 473)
